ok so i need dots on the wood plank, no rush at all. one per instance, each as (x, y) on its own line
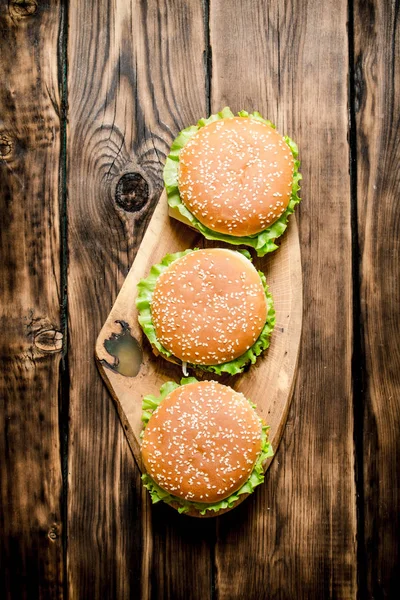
(296, 537)
(31, 548)
(377, 71)
(275, 370)
(131, 89)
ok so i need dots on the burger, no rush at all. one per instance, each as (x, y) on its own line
(209, 309)
(203, 447)
(234, 178)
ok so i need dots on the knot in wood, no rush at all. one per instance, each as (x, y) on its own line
(6, 145)
(132, 192)
(52, 534)
(49, 341)
(23, 8)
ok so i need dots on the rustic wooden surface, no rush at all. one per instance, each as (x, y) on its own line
(92, 95)
(377, 152)
(32, 557)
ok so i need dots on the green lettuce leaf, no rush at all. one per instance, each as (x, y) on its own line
(143, 303)
(262, 242)
(149, 404)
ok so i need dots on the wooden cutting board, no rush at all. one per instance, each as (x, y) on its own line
(121, 345)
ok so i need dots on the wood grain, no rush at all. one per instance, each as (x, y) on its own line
(377, 87)
(138, 73)
(274, 371)
(128, 99)
(296, 537)
(31, 551)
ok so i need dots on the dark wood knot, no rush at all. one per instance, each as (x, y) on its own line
(49, 341)
(54, 532)
(6, 145)
(132, 192)
(23, 8)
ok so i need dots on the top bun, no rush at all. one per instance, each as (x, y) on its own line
(236, 175)
(209, 307)
(202, 442)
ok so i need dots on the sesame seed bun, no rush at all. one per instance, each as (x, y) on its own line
(235, 175)
(209, 307)
(202, 442)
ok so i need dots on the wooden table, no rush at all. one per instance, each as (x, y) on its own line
(91, 96)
